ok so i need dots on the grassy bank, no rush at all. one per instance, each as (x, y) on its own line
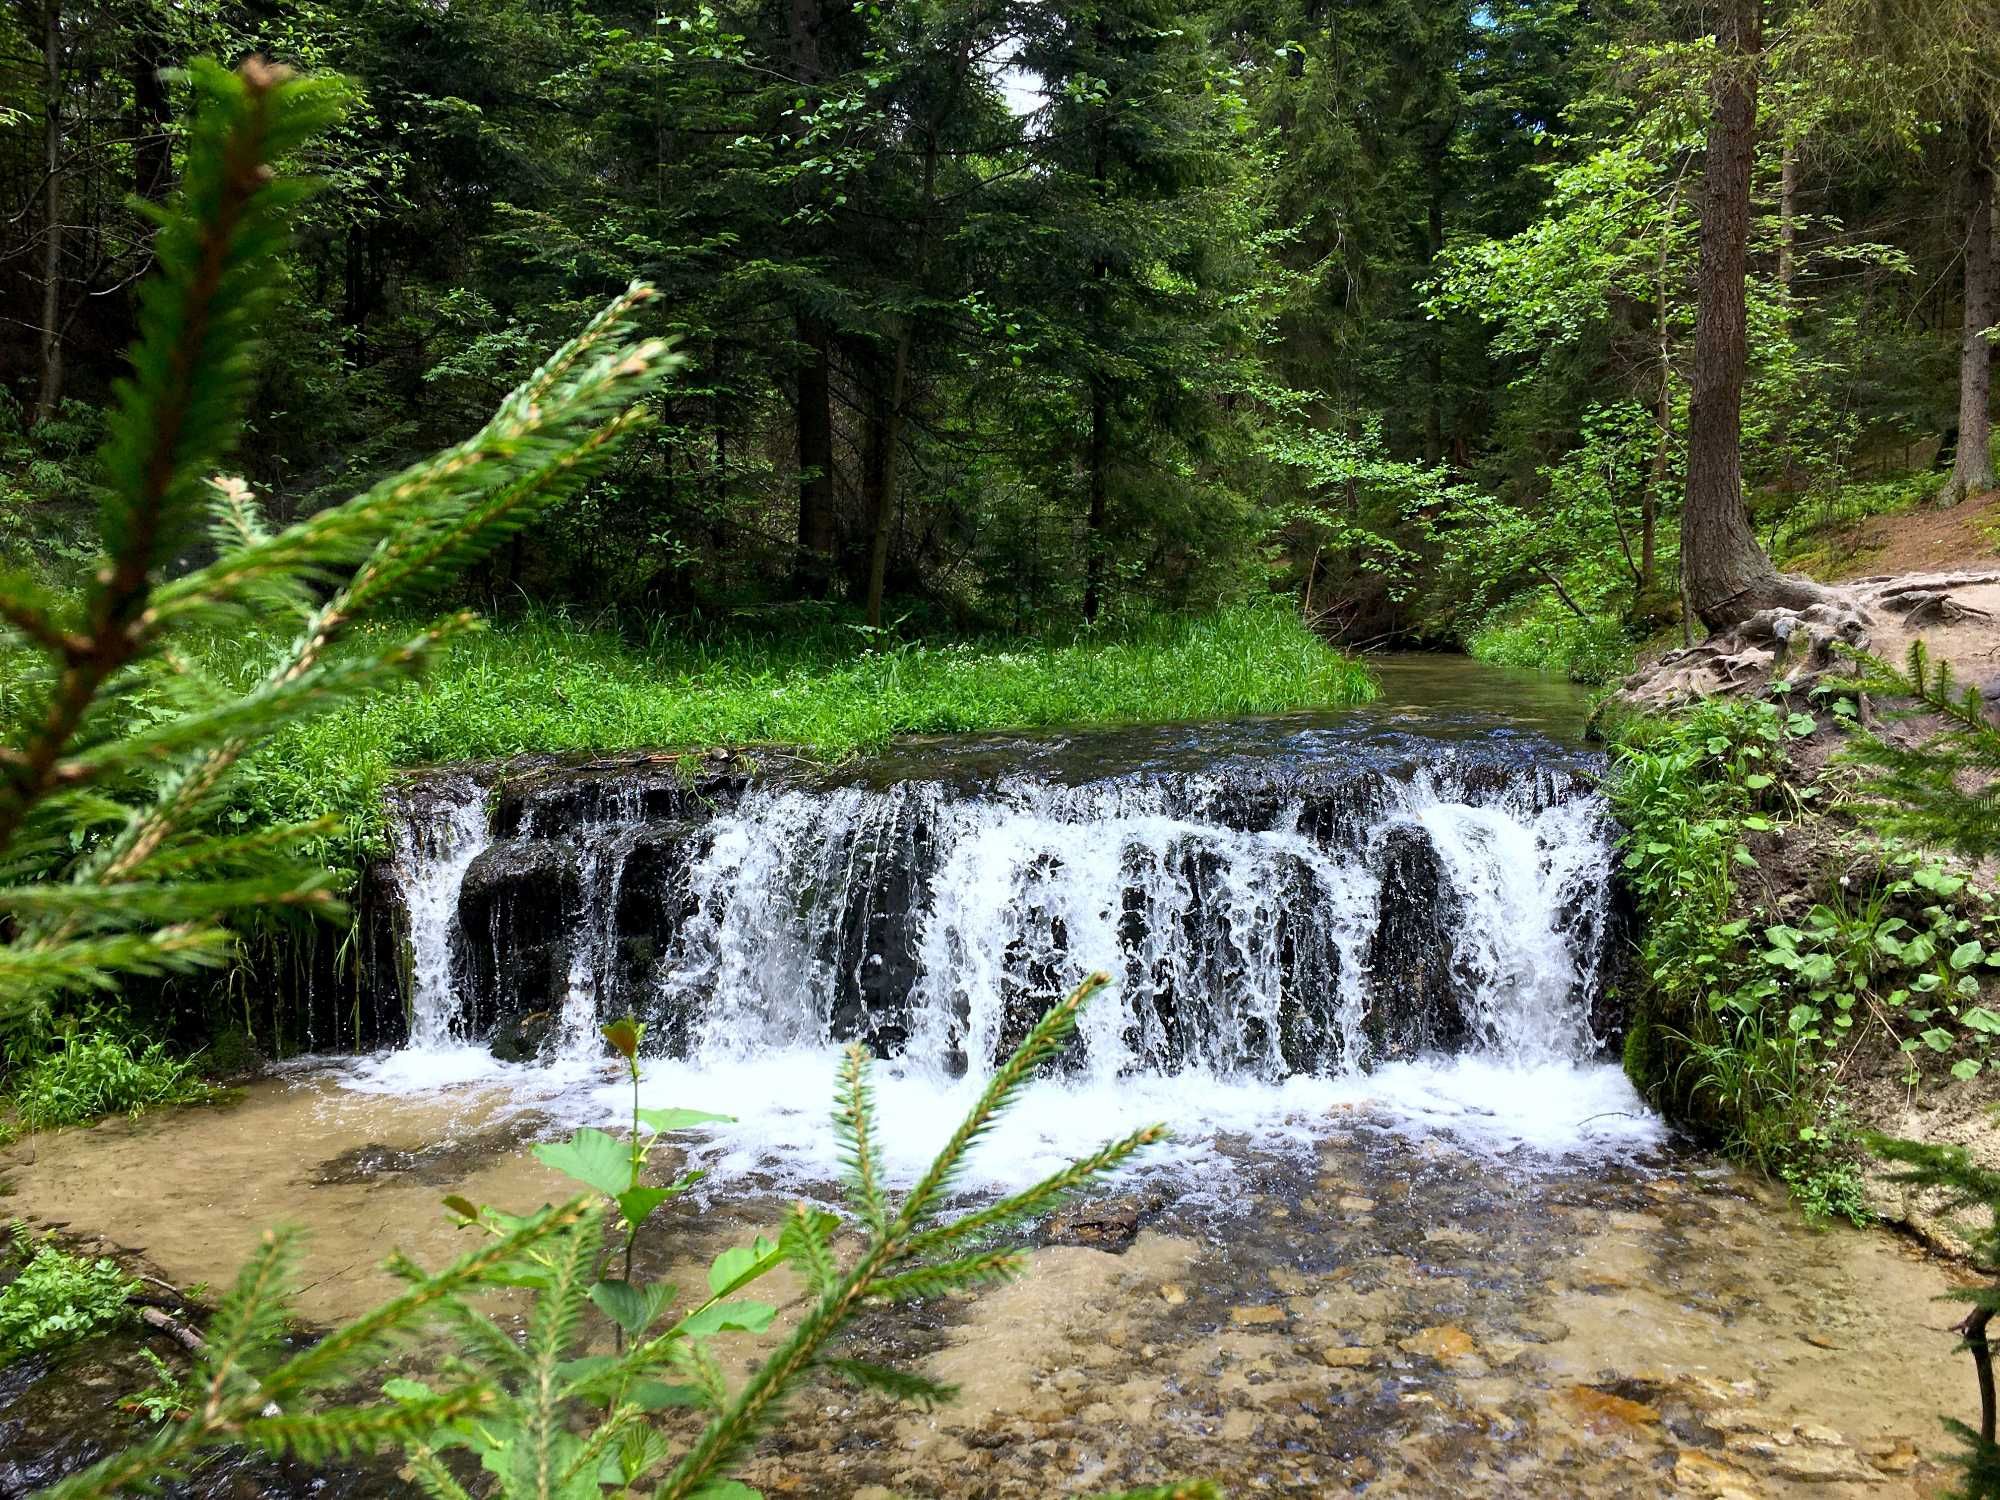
(547, 684)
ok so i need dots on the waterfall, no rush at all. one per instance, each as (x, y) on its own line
(438, 836)
(1302, 922)
(1258, 927)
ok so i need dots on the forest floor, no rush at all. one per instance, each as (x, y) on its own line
(1924, 540)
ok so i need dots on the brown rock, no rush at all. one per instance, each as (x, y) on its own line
(1347, 1358)
(1444, 1343)
(1603, 1413)
(1256, 1317)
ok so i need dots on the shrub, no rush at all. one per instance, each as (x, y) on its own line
(1549, 638)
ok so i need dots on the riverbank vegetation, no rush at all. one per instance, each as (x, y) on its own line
(803, 681)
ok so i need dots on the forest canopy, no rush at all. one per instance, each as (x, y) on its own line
(1009, 316)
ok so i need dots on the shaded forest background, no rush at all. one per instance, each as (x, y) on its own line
(1011, 316)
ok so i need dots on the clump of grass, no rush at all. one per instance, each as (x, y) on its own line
(1546, 637)
(90, 1074)
(544, 683)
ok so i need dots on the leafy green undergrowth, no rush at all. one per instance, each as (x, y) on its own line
(544, 683)
(57, 1298)
(87, 1074)
(1754, 996)
(1548, 637)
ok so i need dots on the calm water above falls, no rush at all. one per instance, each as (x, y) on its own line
(1405, 908)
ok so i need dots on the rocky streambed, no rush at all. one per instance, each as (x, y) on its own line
(1381, 1312)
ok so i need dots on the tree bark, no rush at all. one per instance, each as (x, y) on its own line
(1728, 576)
(813, 568)
(1788, 222)
(1972, 466)
(49, 391)
(152, 142)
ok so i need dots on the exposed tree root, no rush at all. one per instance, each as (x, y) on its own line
(1795, 633)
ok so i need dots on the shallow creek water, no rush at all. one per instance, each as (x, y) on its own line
(1459, 1281)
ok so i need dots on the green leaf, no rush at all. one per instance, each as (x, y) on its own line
(1965, 955)
(664, 1120)
(740, 1265)
(635, 1205)
(632, 1308)
(1937, 1041)
(657, 1395)
(747, 1317)
(726, 1489)
(592, 1158)
(1966, 1067)
(1979, 1018)
(407, 1390)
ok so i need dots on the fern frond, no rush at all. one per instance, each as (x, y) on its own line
(984, 1269)
(1042, 1198)
(1042, 1042)
(248, 1324)
(342, 1431)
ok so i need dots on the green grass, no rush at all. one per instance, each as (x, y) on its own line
(1547, 637)
(544, 683)
(90, 1074)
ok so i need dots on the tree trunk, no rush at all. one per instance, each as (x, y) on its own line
(1728, 576)
(152, 141)
(1788, 222)
(1972, 466)
(886, 436)
(1434, 329)
(1099, 456)
(813, 570)
(50, 390)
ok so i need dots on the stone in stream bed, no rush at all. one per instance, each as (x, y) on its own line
(1109, 1224)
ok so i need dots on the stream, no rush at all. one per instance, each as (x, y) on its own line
(1414, 1233)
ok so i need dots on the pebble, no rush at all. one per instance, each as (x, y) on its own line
(1444, 1343)
(1347, 1358)
(1259, 1316)
(1173, 1294)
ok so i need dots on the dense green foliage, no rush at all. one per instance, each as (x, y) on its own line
(1748, 1007)
(1015, 313)
(56, 1298)
(95, 1071)
(118, 753)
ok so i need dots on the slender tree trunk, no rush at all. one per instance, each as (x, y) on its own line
(1972, 466)
(1788, 222)
(152, 142)
(1434, 332)
(50, 389)
(1728, 576)
(889, 428)
(1098, 457)
(814, 568)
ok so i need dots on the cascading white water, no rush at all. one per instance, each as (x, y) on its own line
(1282, 945)
(436, 842)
